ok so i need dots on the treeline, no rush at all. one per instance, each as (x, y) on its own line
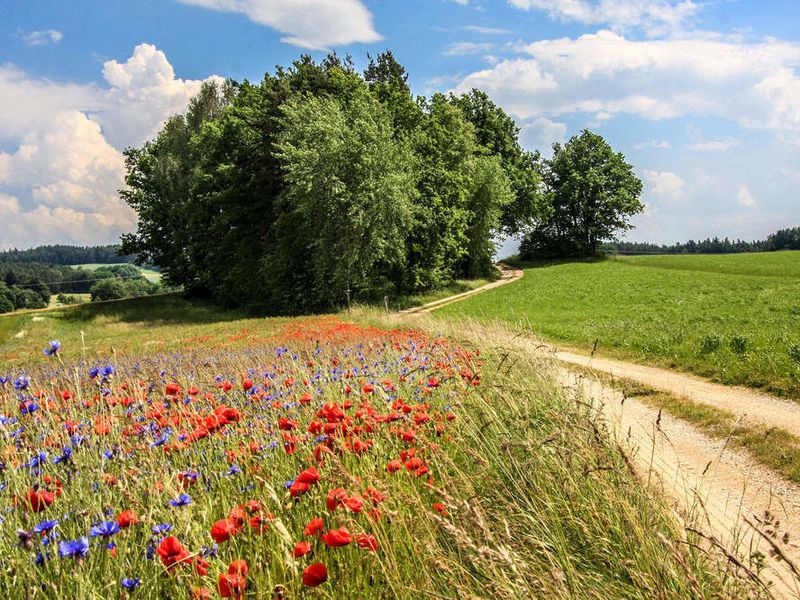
(66, 255)
(785, 239)
(319, 186)
(30, 284)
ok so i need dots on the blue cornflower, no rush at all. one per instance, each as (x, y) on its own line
(4, 380)
(44, 526)
(234, 470)
(160, 441)
(182, 500)
(28, 407)
(74, 549)
(161, 529)
(131, 583)
(21, 383)
(53, 348)
(94, 372)
(66, 454)
(107, 371)
(105, 529)
(108, 454)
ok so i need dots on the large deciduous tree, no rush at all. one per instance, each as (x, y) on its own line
(591, 191)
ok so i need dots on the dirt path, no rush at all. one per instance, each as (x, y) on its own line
(745, 403)
(722, 492)
(507, 275)
(747, 507)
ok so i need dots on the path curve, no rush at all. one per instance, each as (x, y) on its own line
(507, 275)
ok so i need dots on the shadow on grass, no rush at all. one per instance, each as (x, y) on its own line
(519, 263)
(163, 309)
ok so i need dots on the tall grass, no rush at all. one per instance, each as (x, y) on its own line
(525, 494)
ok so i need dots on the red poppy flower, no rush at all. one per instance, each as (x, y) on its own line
(201, 566)
(231, 586)
(40, 499)
(127, 518)
(315, 575)
(366, 541)
(238, 567)
(337, 538)
(393, 466)
(335, 497)
(354, 503)
(224, 529)
(298, 488)
(440, 508)
(301, 549)
(172, 389)
(314, 526)
(171, 551)
(309, 476)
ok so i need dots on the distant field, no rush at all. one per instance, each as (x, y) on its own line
(733, 318)
(54, 303)
(149, 274)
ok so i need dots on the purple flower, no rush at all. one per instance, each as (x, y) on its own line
(105, 529)
(182, 500)
(45, 526)
(74, 549)
(53, 348)
(131, 583)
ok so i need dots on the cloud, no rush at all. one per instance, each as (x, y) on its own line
(486, 30)
(717, 145)
(752, 84)
(60, 181)
(745, 198)
(144, 91)
(660, 144)
(654, 16)
(541, 134)
(465, 48)
(42, 38)
(664, 186)
(313, 24)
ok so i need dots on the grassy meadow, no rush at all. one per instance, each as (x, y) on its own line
(733, 318)
(337, 456)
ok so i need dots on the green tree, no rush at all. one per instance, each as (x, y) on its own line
(497, 134)
(491, 192)
(108, 289)
(346, 200)
(592, 193)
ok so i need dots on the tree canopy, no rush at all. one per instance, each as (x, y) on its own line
(320, 186)
(591, 194)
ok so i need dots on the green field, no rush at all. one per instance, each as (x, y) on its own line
(149, 274)
(734, 318)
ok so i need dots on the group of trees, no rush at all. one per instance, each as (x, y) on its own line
(15, 297)
(30, 284)
(320, 185)
(785, 239)
(61, 254)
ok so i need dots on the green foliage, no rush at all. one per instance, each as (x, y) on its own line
(65, 255)
(6, 305)
(592, 192)
(319, 186)
(108, 289)
(724, 317)
(348, 191)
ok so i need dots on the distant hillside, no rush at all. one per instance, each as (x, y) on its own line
(785, 239)
(61, 254)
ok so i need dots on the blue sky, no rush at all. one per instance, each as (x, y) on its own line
(702, 97)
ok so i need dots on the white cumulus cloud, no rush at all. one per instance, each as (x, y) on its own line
(654, 16)
(314, 24)
(752, 84)
(664, 186)
(60, 181)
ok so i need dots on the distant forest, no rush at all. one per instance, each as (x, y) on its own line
(66, 255)
(785, 239)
